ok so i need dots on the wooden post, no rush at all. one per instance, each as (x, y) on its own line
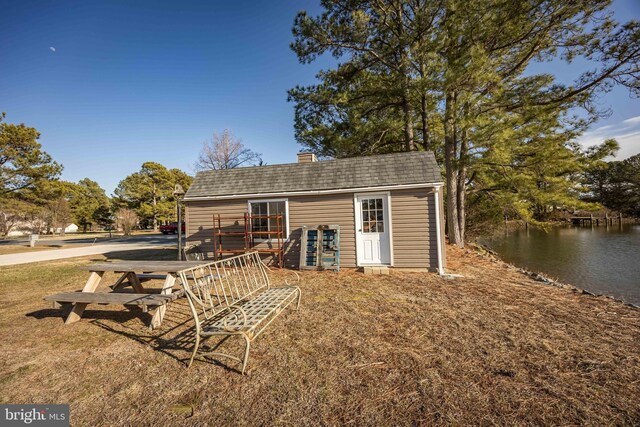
(135, 283)
(156, 320)
(591, 220)
(90, 286)
(506, 226)
(179, 227)
(215, 241)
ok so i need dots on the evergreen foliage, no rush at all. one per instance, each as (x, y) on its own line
(149, 192)
(616, 185)
(454, 77)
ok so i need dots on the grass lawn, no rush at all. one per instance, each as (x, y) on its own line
(406, 349)
(21, 249)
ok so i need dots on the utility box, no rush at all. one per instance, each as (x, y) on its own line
(320, 247)
(33, 238)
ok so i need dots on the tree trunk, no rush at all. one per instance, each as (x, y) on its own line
(406, 79)
(408, 122)
(453, 225)
(4, 227)
(423, 110)
(155, 212)
(423, 117)
(462, 178)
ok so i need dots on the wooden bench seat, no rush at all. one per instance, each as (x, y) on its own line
(121, 298)
(234, 297)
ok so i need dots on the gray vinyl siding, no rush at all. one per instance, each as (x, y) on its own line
(414, 231)
(303, 210)
(199, 224)
(412, 214)
(326, 209)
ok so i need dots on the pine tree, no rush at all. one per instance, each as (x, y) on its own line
(150, 192)
(87, 202)
(453, 72)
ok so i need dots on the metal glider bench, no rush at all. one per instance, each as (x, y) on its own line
(234, 297)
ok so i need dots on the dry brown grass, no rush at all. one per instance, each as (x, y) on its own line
(410, 348)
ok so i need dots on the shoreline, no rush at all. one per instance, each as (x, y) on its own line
(517, 225)
(486, 251)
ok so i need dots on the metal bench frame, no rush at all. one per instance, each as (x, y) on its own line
(193, 253)
(234, 297)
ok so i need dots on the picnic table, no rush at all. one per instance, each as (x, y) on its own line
(133, 273)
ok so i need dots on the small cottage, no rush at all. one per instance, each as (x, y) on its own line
(388, 208)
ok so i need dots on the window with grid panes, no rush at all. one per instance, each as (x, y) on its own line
(265, 209)
(372, 216)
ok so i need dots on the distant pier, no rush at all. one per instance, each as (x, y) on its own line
(592, 220)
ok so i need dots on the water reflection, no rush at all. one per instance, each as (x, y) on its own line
(604, 259)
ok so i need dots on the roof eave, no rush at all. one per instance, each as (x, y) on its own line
(315, 192)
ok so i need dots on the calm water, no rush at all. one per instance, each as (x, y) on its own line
(599, 259)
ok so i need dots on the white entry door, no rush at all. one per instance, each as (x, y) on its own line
(372, 229)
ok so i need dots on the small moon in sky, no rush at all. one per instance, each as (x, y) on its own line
(53, 49)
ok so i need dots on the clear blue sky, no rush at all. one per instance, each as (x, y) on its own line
(130, 82)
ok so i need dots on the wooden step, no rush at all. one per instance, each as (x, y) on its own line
(376, 269)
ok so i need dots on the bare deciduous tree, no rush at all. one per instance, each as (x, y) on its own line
(126, 219)
(59, 214)
(12, 213)
(226, 151)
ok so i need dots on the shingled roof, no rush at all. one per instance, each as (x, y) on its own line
(340, 174)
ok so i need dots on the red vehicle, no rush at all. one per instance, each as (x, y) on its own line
(171, 228)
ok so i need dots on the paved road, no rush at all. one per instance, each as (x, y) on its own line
(130, 244)
(103, 240)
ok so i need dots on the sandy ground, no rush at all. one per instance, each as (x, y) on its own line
(408, 349)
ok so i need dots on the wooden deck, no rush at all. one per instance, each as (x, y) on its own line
(592, 220)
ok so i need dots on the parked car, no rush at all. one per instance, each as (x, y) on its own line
(171, 228)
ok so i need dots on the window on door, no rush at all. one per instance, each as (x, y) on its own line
(268, 208)
(372, 215)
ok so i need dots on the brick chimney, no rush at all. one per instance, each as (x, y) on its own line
(307, 158)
